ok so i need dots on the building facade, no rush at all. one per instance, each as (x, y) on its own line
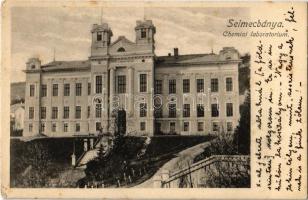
(182, 94)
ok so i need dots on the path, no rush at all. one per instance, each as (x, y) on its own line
(180, 161)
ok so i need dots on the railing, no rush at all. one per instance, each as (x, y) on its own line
(84, 153)
(207, 162)
(80, 158)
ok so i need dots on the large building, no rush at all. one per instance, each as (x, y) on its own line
(199, 93)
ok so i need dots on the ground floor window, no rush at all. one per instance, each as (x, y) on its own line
(172, 127)
(158, 127)
(30, 127)
(65, 127)
(200, 126)
(54, 127)
(186, 126)
(215, 126)
(42, 127)
(229, 126)
(98, 126)
(77, 127)
(142, 126)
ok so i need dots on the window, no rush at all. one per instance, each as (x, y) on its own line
(99, 36)
(215, 126)
(158, 86)
(186, 110)
(158, 112)
(44, 90)
(229, 109)
(77, 127)
(229, 126)
(200, 126)
(98, 126)
(78, 89)
(89, 88)
(78, 112)
(143, 33)
(54, 114)
(66, 89)
(172, 110)
(54, 127)
(143, 110)
(31, 112)
(66, 113)
(229, 85)
(172, 86)
(89, 111)
(214, 85)
(215, 110)
(32, 90)
(186, 86)
(142, 126)
(65, 127)
(172, 127)
(55, 90)
(121, 49)
(200, 85)
(98, 82)
(200, 110)
(30, 127)
(186, 126)
(98, 110)
(43, 112)
(143, 82)
(121, 84)
(42, 127)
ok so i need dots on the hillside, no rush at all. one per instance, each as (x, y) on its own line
(17, 91)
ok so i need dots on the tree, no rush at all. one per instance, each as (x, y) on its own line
(33, 164)
(242, 132)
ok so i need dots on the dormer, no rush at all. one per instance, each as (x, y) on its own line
(145, 31)
(229, 53)
(101, 38)
(33, 64)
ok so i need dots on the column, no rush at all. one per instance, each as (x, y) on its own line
(130, 89)
(111, 85)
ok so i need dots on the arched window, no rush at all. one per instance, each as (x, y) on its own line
(121, 49)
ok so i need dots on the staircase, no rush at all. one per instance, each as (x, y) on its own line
(87, 157)
(91, 154)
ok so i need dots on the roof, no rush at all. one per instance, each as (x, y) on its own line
(191, 59)
(67, 65)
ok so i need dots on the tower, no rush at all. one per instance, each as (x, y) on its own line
(101, 37)
(145, 31)
(32, 97)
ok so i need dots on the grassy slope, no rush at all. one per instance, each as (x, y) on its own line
(57, 152)
(52, 154)
(160, 150)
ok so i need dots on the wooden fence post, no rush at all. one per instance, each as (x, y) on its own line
(157, 181)
(165, 175)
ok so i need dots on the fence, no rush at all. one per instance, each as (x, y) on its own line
(167, 179)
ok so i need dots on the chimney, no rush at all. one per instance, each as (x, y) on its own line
(176, 52)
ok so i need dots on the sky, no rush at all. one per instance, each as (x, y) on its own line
(37, 31)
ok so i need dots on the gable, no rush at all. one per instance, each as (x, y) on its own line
(122, 46)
